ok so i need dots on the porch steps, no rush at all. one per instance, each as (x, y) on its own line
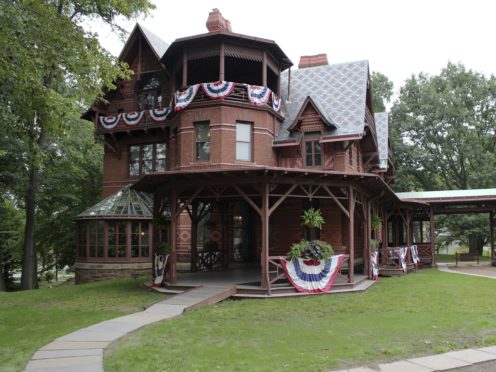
(363, 285)
(395, 271)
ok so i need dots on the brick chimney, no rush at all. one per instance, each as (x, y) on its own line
(312, 61)
(216, 22)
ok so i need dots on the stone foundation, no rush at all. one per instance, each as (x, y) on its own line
(92, 272)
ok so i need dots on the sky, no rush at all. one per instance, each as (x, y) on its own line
(398, 38)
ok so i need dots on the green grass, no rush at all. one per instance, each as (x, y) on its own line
(451, 258)
(418, 314)
(31, 319)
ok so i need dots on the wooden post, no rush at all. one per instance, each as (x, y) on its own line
(351, 234)
(433, 236)
(173, 237)
(194, 234)
(367, 236)
(491, 236)
(185, 69)
(264, 219)
(264, 69)
(222, 53)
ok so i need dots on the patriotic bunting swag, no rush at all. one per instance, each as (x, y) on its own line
(109, 122)
(218, 90)
(415, 256)
(374, 263)
(312, 276)
(258, 95)
(403, 253)
(132, 118)
(183, 99)
(276, 103)
(159, 114)
(160, 263)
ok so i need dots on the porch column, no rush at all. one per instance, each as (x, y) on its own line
(491, 235)
(173, 237)
(264, 69)
(368, 238)
(222, 62)
(185, 69)
(194, 234)
(264, 221)
(433, 236)
(351, 234)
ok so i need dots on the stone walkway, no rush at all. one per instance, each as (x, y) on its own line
(82, 350)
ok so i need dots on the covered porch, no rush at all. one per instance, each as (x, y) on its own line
(276, 198)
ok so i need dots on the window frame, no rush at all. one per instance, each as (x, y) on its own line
(202, 143)
(141, 160)
(420, 225)
(249, 142)
(312, 142)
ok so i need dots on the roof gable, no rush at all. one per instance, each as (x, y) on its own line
(155, 43)
(317, 108)
(340, 91)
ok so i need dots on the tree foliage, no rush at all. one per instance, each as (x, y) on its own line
(51, 69)
(382, 91)
(444, 138)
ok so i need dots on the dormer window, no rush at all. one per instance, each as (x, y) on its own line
(148, 93)
(312, 148)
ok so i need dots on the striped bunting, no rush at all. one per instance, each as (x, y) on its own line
(258, 95)
(109, 122)
(133, 117)
(218, 90)
(374, 263)
(159, 114)
(276, 103)
(184, 98)
(415, 256)
(312, 276)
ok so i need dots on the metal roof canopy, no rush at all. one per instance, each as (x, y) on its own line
(126, 203)
(454, 201)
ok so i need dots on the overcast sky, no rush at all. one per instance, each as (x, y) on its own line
(397, 37)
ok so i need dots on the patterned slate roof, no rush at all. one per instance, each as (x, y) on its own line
(340, 90)
(159, 45)
(126, 202)
(382, 130)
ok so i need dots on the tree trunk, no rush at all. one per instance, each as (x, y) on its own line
(29, 278)
(3, 286)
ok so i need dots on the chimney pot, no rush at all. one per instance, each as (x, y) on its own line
(313, 61)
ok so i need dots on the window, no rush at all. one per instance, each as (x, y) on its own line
(202, 139)
(421, 232)
(117, 239)
(139, 239)
(243, 141)
(313, 154)
(148, 93)
(91, 239)
(147, 158)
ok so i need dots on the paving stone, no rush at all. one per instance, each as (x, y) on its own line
(471, 355)
(439, 362)
(75, 345)
(488, 349)
(361, 369)
(92, 336)
(112, 326)
(403, 366)
(50, 354)
(171, 310)
(90, 363)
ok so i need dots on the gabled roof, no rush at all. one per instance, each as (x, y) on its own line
(126, 203)
(157, 45)
(382, 130)
(340, 89)
(318, 107)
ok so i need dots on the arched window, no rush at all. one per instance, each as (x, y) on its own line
(148, 93)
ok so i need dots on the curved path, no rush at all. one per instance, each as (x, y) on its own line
(82, 350)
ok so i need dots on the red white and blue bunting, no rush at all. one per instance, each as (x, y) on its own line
(312, 276)
(159, 114)
(403, 253)
(109, 122)
(258, 95)
(159, 269)
(415, 256)
(276, 103)
(374, 263)
(218, 90)
(184, 98)
(133, 117)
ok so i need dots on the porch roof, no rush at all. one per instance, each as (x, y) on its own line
(374, 184)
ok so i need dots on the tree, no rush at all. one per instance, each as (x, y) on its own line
(50, 69)
(382, 91)
(444, 137)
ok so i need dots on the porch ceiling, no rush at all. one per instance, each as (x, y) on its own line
(370, 184)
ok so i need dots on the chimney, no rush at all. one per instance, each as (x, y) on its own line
(216, 22)
(313, 61)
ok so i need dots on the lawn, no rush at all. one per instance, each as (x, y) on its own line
(31, 319)
(419, 314)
